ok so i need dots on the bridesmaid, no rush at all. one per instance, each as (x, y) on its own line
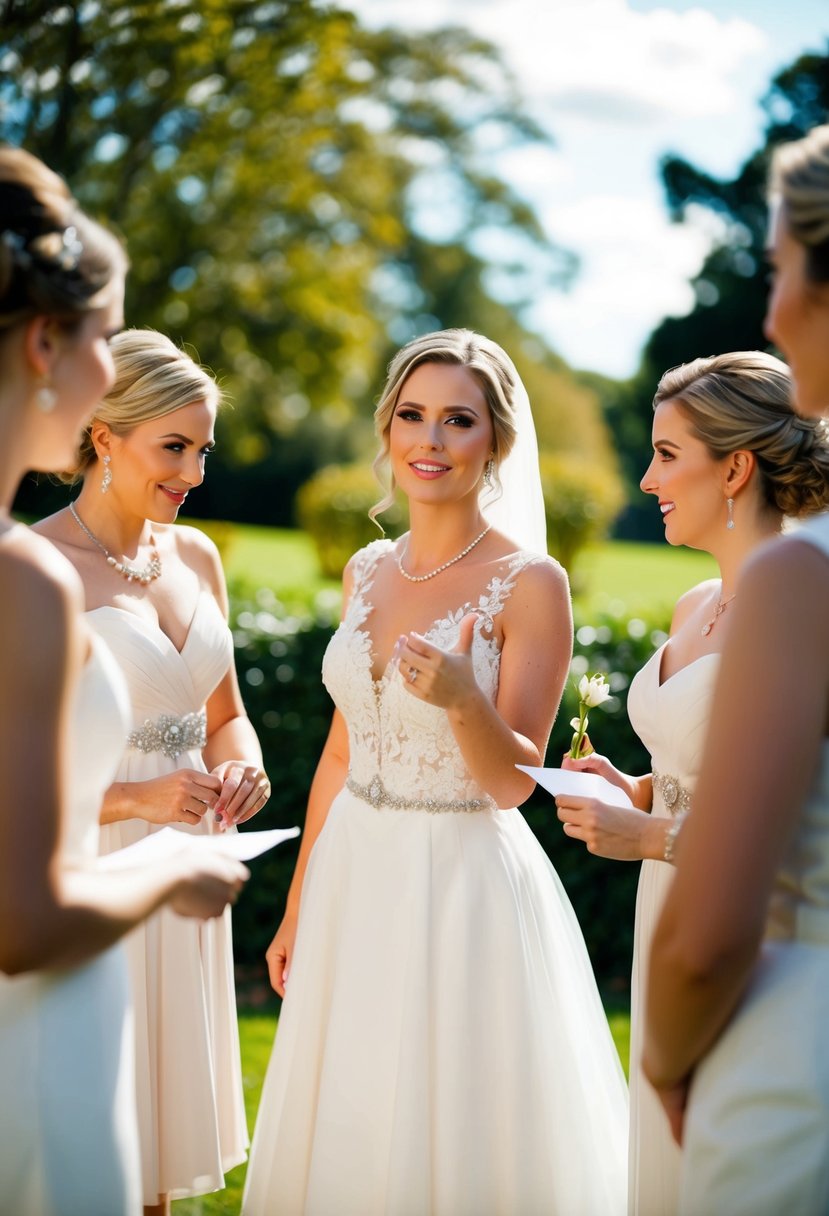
(156, 593)
(67, 1107)
(738, 999)
(728, 450)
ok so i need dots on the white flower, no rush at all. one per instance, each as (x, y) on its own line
(593, 690)
(575, 723)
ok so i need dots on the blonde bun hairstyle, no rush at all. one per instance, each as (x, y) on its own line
(743, 401)
(800, 180)
(153, 377)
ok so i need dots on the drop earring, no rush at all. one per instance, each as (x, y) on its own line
(729, 503)
(488, 474)
(45, 397)
(107, 479)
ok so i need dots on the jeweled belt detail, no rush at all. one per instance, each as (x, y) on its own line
(376, 795)
(675, 796)
(170, 735)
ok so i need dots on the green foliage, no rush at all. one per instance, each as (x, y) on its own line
(333, 506)
(581, 500)
(279, 656)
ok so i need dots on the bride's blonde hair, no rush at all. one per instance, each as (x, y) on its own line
(800, 179)
(483, 358)
(153, 377)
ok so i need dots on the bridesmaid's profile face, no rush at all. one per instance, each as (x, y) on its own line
(441, 433)
(157, 463)
(797, 319)
(686, 480)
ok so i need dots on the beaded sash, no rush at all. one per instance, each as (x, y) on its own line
(675, 796)
(170, 735)
(376, 795)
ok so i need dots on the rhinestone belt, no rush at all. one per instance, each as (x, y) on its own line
(170, 735)
(674, 794)
(376, 795)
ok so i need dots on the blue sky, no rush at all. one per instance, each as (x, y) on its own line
(618, 83)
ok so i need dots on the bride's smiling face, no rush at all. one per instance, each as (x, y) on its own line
(157, 463)
(441, 434)
(686, 480)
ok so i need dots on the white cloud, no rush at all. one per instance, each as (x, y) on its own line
(635, 270)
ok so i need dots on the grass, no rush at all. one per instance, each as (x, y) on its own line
(617, 577)
(256, 1031)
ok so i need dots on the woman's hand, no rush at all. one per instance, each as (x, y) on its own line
(594, 763)
(207, 884)
(243, 791)
(182, 796)
(442, 677)
(281, 952)
(621, 833)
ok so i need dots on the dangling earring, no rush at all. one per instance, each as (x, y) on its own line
(488, 474)
(45, 397)
(107, 481)
(729, 502)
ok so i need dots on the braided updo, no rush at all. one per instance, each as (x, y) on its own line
(743, 402)
(54, 260)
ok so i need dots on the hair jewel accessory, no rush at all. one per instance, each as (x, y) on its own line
(62, 250)
(16, 244)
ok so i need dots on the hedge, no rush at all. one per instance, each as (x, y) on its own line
(279, 656)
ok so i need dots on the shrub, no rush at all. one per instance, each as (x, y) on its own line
(279, 656)
(333, 506)
(581, 500)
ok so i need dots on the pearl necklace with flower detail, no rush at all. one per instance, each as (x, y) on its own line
(133, 574)
(421, 578)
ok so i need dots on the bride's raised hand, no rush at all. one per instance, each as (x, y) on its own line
(280, 953)
(442, 677)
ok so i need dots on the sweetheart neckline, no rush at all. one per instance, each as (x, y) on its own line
(154, 625)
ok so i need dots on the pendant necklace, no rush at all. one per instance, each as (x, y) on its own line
(718, 611)
(133, 574)
(421, 578)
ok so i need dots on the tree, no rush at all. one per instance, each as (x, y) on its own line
(730, 288)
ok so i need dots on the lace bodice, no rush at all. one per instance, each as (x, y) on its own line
(393, 735)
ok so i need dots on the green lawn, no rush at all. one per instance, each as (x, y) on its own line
(617, 577)
(256, 1031)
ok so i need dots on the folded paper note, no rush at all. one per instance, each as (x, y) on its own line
(169, 842)
(579, 785)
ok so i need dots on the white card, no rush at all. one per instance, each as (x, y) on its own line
(159, 846)
(580, 785)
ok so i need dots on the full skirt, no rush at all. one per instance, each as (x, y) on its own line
(442, 1049)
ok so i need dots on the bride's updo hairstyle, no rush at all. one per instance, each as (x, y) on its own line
(484, 359)
(800, 180)
(743, 402)
(152, 378)
(54, 260)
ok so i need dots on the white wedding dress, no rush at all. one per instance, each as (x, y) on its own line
(757, 1130)
(442, 1049)
(189, 1081)
(68, 1135)
(671, 718)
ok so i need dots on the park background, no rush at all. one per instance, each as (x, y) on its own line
(275, 168)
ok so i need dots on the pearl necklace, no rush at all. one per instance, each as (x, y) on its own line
(718, 611)
(132, 574)
(421, 578)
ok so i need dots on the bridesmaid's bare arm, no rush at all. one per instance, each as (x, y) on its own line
(768, 723)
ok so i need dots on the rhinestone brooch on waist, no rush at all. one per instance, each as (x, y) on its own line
(376, 795)
(170, 735)
(675, 796)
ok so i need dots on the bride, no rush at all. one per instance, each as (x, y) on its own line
(442, 1046)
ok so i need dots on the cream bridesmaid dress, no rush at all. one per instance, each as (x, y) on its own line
(68, 1135)
(189, 1081)
(670, 717)
(757, 1132)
